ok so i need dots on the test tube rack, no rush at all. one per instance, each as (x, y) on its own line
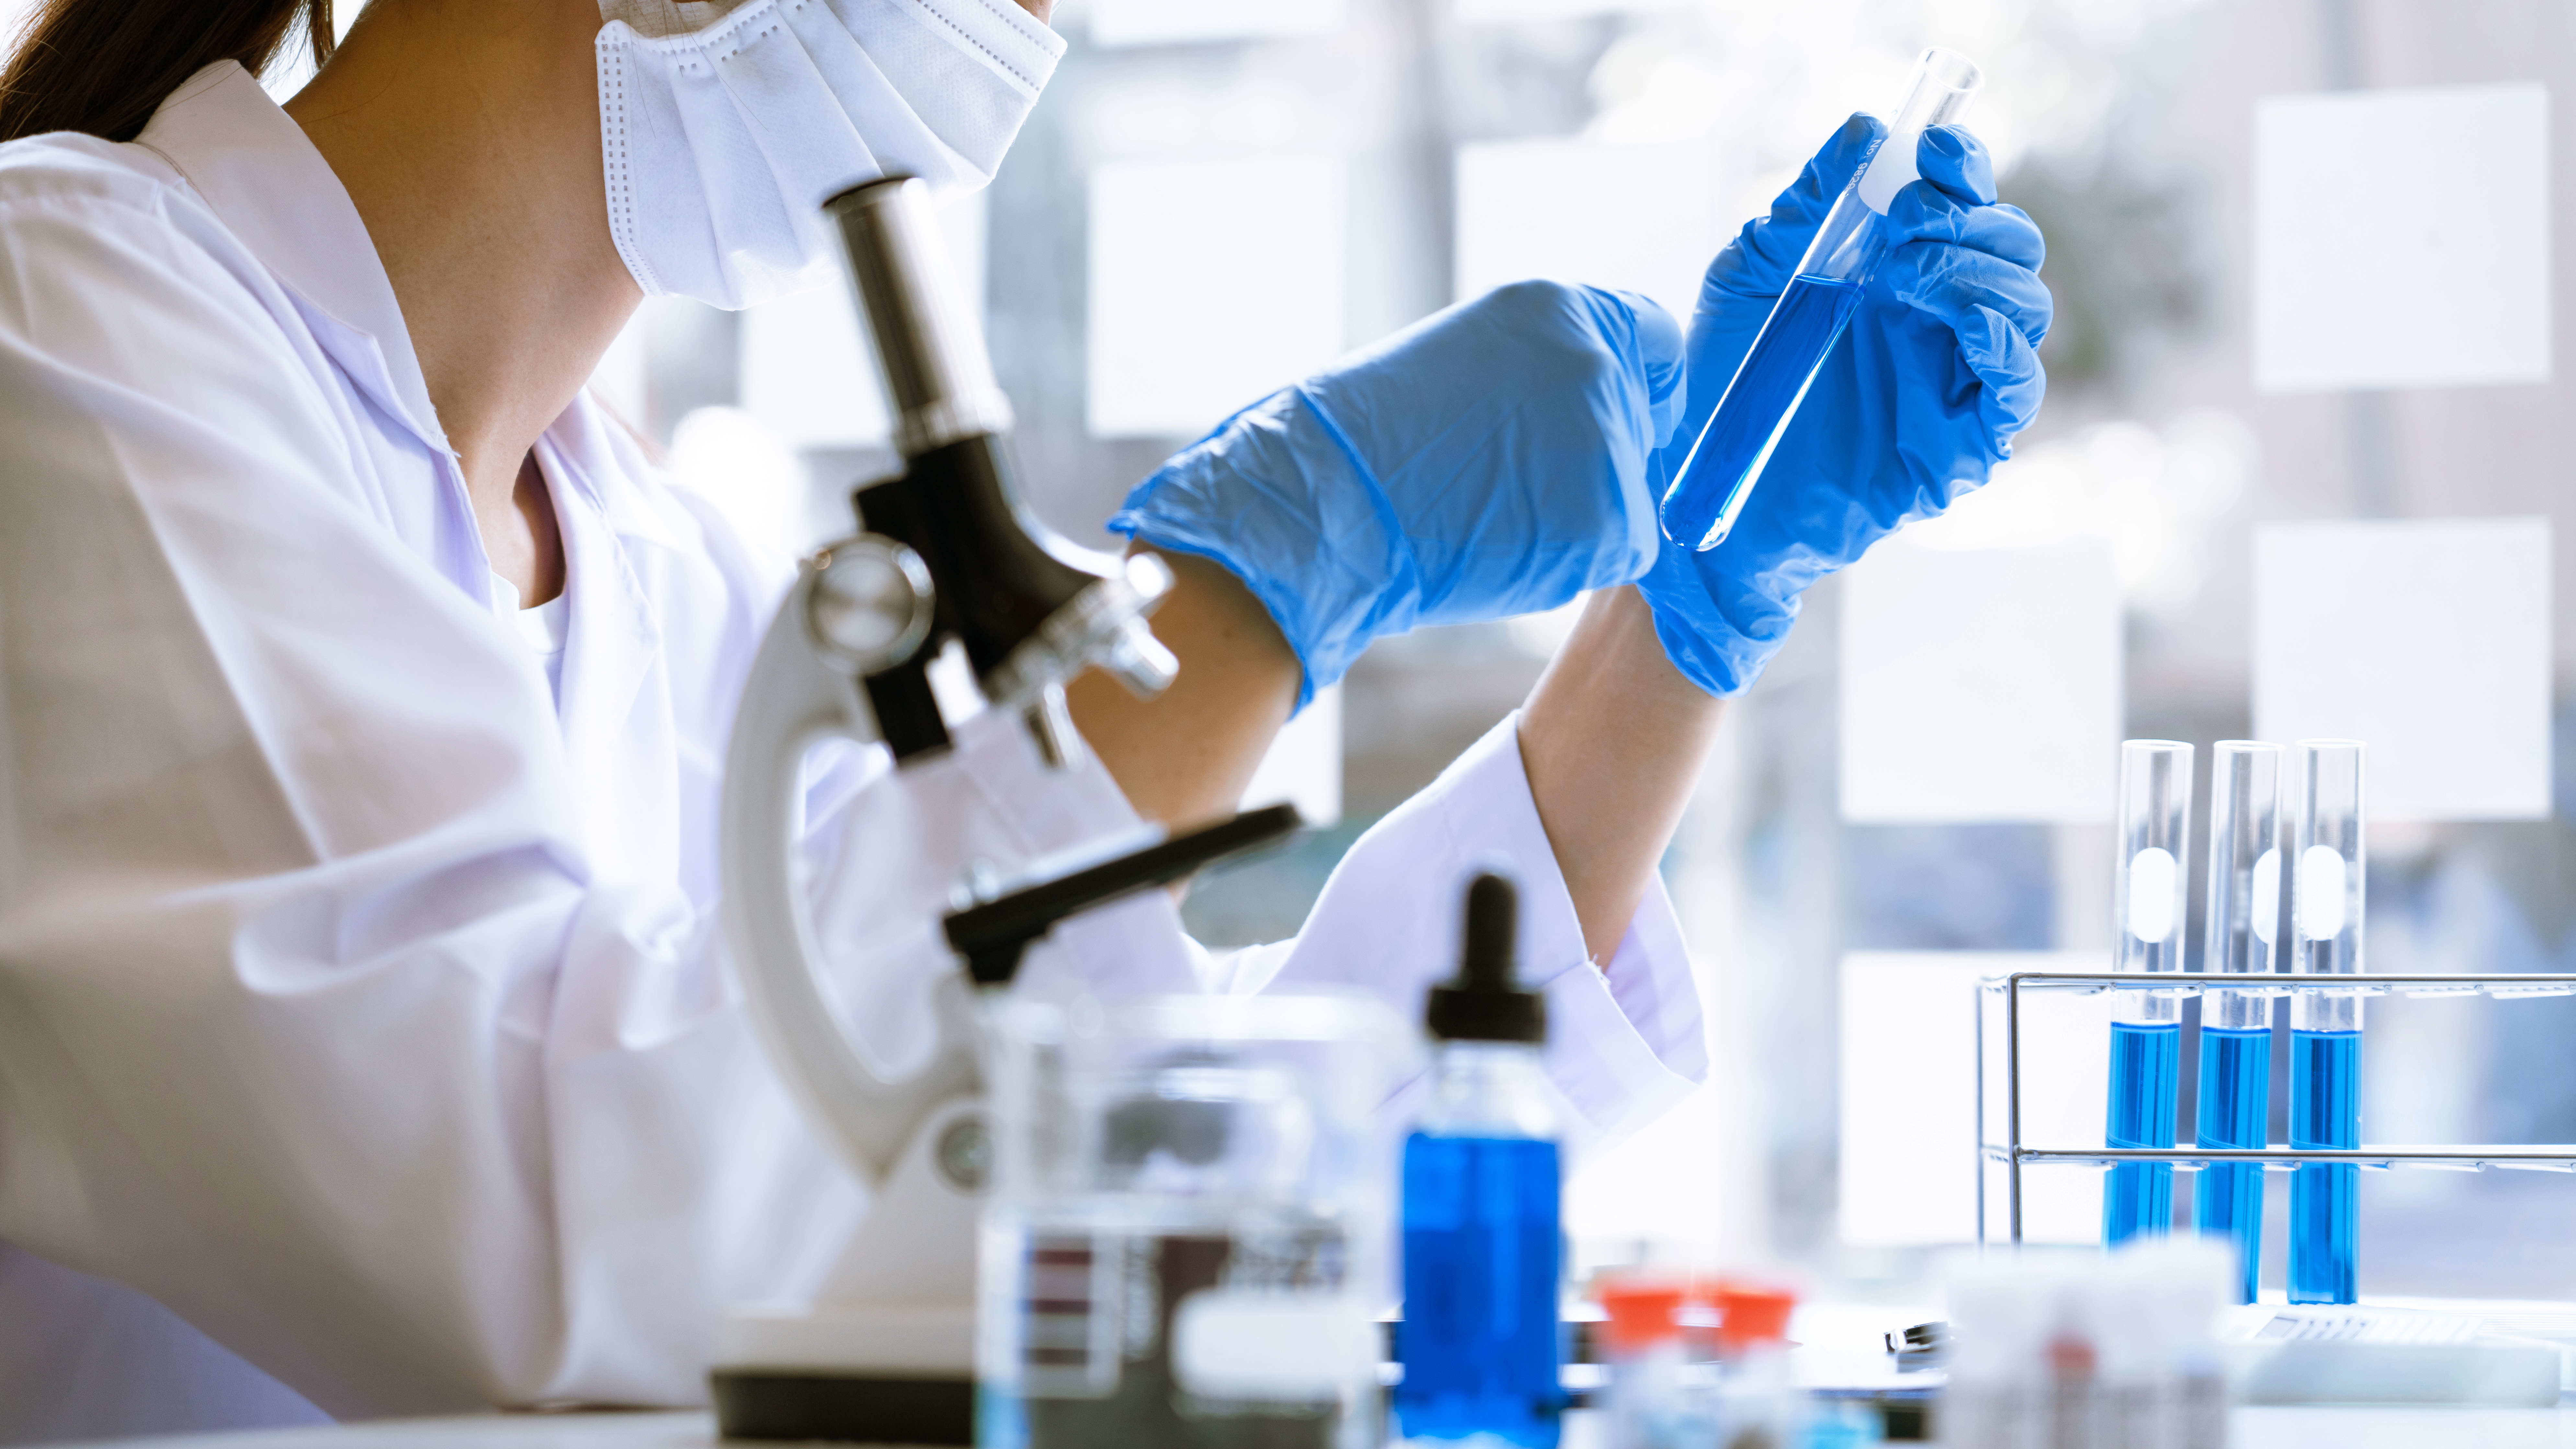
(2013, 1154)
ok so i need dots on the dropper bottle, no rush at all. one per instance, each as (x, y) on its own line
(1481, 1341)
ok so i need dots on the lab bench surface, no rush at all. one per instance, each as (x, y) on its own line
(2255, 1428)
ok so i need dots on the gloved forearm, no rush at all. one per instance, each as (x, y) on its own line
(1488, 461)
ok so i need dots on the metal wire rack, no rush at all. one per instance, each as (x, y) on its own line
(2012, 1155)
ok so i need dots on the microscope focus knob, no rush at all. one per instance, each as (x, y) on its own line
(1138, 660)
(871, 604)
(1129, 651)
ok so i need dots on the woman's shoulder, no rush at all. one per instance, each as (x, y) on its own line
(113, 215)
(70, 167)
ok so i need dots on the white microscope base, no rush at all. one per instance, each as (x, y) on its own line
(854, 1373)
(887, 1353)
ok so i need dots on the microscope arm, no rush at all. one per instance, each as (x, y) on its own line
(803, 689)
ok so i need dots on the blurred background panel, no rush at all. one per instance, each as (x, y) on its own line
(2304, 430)
(1212, 282)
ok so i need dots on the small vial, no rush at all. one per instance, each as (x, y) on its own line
(2236, 1026)
(1758, 1403)
(1482, 1238)
(1655, 1400)
(2326, 863)
(2149, 891)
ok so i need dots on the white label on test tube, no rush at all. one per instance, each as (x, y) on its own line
(2266, 904)
(2151, 894)
(1943, 84)
(1890, 170)
(2320, 905)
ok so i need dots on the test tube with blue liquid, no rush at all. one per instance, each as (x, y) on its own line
(1709, 490)
(2148, 895)
(2236, 1026)
(2325, 1027)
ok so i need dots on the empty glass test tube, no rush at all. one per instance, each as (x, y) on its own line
(2148, 894)
(1716, 477)
(2327, 862)
(2236, 1026)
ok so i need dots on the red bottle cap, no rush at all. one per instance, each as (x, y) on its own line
(1749, 1313)
(1643, 1312)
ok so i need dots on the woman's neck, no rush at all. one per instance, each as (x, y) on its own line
(467, 134)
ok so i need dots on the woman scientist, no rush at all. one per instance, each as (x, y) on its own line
(366, 1043)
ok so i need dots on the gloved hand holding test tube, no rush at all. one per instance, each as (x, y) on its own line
(2149, 893)
(2325, 1028)
(1715, 480)
(1936, 371)
(2236, 1026)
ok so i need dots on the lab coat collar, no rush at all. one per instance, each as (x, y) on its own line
(255, 167)
(613, 639)
(631, 815)
(599, 458)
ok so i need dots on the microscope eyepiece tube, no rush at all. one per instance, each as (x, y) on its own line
(937, 374)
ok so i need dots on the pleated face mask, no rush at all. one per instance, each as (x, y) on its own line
(726, 126)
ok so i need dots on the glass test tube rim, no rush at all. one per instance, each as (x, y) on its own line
(1938, 91)
(1947, 68)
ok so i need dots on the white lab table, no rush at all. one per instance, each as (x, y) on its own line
(2256, 1428)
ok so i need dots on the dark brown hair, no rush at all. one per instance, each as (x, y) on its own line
(103, 66)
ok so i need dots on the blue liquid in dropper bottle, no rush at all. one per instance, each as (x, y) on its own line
(2235, 1111)
(1724, 464)
(1481, 1239)
(2146, 1062)
(2325, 1198)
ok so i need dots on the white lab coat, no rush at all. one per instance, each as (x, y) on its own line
(365, 1026)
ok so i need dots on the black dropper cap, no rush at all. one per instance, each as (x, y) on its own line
(1481, 1003)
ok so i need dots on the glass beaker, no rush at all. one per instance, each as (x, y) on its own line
(1190, 1216)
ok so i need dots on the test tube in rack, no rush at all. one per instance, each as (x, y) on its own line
(2236, 1026)
(2149, 891)
(2326, 864)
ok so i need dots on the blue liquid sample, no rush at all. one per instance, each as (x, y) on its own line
(2146, 1064)
(2235, 1111)
(1481, 1245)
(2325, 1198)
(1719, 474)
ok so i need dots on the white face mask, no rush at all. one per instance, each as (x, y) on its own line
(726, 126)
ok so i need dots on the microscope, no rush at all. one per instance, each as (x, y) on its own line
(947, 561)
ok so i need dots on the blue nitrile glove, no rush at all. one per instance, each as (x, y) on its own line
(1487, 461)
(1912, 408)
